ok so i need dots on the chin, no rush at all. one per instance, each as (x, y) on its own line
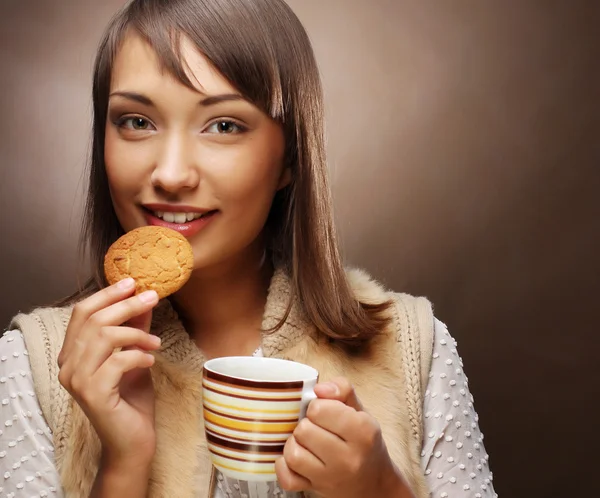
(205, 260)
(222, 258)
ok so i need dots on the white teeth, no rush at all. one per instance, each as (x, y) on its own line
(180, 218)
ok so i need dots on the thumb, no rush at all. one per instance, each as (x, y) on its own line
(339, 389)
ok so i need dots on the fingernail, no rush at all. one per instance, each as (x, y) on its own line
(148, 297)
(156, 340)
(330, 389)
(126, 283)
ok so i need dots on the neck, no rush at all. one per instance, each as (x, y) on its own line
(222, 307)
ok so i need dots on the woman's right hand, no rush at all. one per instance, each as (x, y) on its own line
(104, 364)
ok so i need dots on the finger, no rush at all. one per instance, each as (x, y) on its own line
(91, 351)
(339, 389)
(123, 311)
(333, 416)
(107, 339)
(86, 308)
(107, 378)
(142, 322)
(324, 445)
(301, 460)
(288, 479)
(115, 315)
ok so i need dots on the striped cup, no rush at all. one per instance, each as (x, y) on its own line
(251, 407)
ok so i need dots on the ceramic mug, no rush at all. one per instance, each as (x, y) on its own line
(251, 407)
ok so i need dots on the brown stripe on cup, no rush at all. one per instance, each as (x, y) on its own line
(267, 449)
(255, 447)
(251, 438)
(245, 460)
(251, 398)
(270, 385)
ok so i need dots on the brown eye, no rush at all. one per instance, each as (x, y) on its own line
(139, 124)
(225, 127)
(135, 123)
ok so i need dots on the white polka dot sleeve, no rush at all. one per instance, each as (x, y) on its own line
(453, 457)
(26, 458)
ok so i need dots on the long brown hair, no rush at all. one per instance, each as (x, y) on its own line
(261, 47)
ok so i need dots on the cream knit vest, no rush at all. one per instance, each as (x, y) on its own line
(389, 377)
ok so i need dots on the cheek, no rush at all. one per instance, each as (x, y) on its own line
(125, 171)
(125, 166)
(248, 181)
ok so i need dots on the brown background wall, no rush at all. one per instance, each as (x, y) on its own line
(465, 161)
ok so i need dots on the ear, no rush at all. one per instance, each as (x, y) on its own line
(285, 179)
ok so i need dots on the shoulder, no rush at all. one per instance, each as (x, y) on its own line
(368, 290)
(416, 311)
(411, 319)
(47, 320)
(43, 331)
(365, 287)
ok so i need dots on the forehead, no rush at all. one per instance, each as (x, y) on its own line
(137, 66)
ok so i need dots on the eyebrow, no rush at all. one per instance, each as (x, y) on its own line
(206, 102)
(137, 97)
(217, 99)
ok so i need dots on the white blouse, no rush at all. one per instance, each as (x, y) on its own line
(453, 457)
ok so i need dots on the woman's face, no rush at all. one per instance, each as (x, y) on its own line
(206, 163)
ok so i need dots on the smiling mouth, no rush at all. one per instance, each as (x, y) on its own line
(179, 217)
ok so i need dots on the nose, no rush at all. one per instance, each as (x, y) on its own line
(175, 169)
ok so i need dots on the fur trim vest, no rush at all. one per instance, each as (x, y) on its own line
(389, 377)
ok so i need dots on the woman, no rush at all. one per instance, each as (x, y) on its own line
(211, 109)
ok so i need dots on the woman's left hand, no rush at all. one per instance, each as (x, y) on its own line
(338, 451)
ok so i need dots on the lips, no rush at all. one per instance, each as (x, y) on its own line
(182, 220)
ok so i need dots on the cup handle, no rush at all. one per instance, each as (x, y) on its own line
(307, 397)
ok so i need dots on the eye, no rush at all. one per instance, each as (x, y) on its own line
(225, 127)
(136, 123)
